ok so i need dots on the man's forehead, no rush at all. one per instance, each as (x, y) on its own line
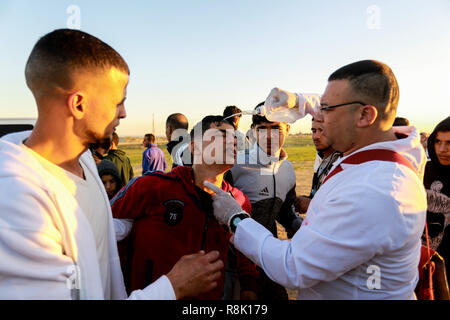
(118, 79)
(336, 90)
(316, 125)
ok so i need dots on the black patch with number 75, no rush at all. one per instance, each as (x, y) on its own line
(174, 212)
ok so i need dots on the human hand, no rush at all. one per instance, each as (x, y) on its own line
(279, 98)
(195, 274)
(225, 206)
(284, 106)
(301, 204)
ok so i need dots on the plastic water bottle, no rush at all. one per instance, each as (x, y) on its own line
(274, 115)
(280, 114)
(307, 104)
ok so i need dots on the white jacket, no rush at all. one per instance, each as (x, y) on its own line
(47, 246)
(361, 235)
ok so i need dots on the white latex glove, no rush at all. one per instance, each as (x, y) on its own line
(122, 227)
(279, 98)
(284, 106)
(225, 206)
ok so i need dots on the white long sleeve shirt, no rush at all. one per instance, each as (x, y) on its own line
(47, 245)
(361, 235)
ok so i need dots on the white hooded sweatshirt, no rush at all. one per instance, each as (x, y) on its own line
(361, 235)
(47, 246)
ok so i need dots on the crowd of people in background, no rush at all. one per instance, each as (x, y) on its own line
(271, 193)
(167, 234)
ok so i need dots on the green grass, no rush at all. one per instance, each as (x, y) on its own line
(300, 150)
(134, 149)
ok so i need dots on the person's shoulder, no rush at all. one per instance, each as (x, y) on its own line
(287, 165)
(148, 181)
(20, 169)
(378, 187)
(160, 150)
(430, 168)
(25, 203)
(160, 175)
(110, 156)
(157, 177)
(356, 180)
(240, 196)
(121, 154)
(286, 172)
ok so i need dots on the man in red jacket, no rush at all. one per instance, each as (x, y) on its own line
(173, 213)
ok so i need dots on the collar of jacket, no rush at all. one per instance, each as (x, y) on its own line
(117, 153)
(186, 175)
(257, 155)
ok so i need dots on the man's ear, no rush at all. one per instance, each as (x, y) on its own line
(76, 103)
(169, 130)
(288, 127)
(367, 116)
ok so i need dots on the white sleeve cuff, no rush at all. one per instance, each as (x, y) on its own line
(268, 252)
(161, 289)
(122, 228)
(308, 103)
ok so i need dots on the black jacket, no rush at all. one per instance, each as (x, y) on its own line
(437, 184)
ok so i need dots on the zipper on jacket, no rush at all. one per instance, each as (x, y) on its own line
(205, 227)
(205, 230)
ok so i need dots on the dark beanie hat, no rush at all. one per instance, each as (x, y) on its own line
(108, 167)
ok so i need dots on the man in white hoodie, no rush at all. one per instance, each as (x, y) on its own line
(57, 236)
(361, 235)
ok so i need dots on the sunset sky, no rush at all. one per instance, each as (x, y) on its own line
(198, 56)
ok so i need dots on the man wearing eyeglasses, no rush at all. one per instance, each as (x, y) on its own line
(361, 235)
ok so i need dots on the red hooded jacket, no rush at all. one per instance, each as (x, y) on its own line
(173, 218)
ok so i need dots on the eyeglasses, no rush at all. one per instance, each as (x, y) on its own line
(340, 105)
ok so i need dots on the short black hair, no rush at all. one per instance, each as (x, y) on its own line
(443, 126)
(399, 121)
(104, 144)
(115, 138)
(231, 110)
(257, 119)
(151, 137)
(205, 124)
(177, 121)
(63, 52)
(375, 82)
